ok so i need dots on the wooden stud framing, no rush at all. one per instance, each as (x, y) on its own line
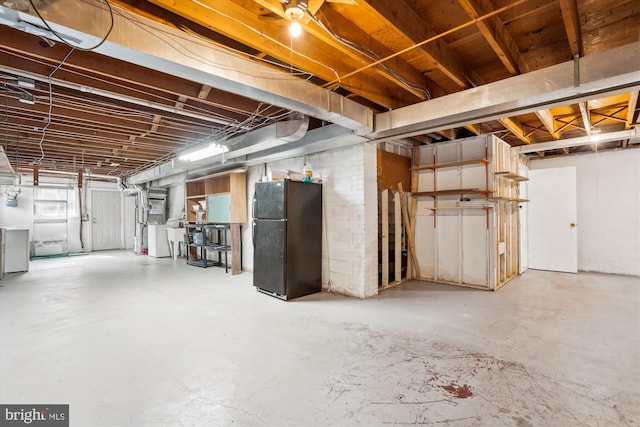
(384, 200)
(409, 230)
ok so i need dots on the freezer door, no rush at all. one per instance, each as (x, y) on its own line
(269, 200)
(269, 255)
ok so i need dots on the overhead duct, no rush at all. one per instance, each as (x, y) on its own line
(603, 74)
(271, 136)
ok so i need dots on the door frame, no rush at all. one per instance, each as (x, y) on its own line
(90, 218)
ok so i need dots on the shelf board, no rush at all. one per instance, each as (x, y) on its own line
(513, 176)
(508, 199)
(451, 165)
(459, 208)
(461, 191)
(203, 263)
(201, 196)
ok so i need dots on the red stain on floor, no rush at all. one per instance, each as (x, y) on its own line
(461, 392)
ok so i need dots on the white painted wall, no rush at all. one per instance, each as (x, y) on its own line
(608, 193)
(350, 245)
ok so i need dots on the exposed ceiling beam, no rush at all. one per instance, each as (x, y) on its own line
(272, 37)
(400, 16)
(219, 70)
(631, 109)
(607, 73)
(515, 128)
(473, 129)
(571, 20)
(358, 36)
(495, 33)
(547, 119)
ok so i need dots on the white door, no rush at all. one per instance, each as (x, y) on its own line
(523, 221)
(553, 237)
(106, 220)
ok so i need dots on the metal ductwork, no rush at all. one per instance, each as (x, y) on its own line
(608, 73)
(266, 138)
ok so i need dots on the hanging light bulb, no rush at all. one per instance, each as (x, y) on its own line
(295, 13)
(295, 29)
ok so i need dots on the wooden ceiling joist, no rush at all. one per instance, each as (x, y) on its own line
(631, 109)
(401, 17)
(356, 36)
(547, 119)
(516, 128)
(495, 33)
(571, 20)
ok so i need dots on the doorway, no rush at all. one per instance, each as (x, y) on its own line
(553, 237)
(106, 220)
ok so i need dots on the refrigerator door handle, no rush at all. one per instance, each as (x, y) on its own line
(253, 233)
(254, 205)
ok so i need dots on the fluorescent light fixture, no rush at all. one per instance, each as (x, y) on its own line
(209, 151)
(27, 98)
(25, 82)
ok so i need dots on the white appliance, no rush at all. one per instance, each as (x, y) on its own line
(158, 242)
(176, 238)
(16, 252)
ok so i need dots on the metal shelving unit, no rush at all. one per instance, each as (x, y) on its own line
(197, 249)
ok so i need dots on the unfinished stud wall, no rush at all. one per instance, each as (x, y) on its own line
(349, 217)
(608, 208)
(467, 216)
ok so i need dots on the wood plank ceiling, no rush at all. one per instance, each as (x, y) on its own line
(383, 54)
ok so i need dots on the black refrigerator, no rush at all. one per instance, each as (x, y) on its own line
(287, 238)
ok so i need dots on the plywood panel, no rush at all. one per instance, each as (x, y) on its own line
(392, 169)
(475, 248)
(447, 153)
(448, 250)
(425, 243)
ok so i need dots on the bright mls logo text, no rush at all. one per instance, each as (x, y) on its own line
(35, 415)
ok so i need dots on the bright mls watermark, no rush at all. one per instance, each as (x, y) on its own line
(34, 415)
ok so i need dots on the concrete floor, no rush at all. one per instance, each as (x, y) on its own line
(129, 340)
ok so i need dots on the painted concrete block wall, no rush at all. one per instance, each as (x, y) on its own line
(350, 244)
(608, 206)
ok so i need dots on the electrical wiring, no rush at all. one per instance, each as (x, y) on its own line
(184, 50)
(369, 54)
(59, 37)
(113, 111)
(44, 129)
(297, 72)
(271, 39)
